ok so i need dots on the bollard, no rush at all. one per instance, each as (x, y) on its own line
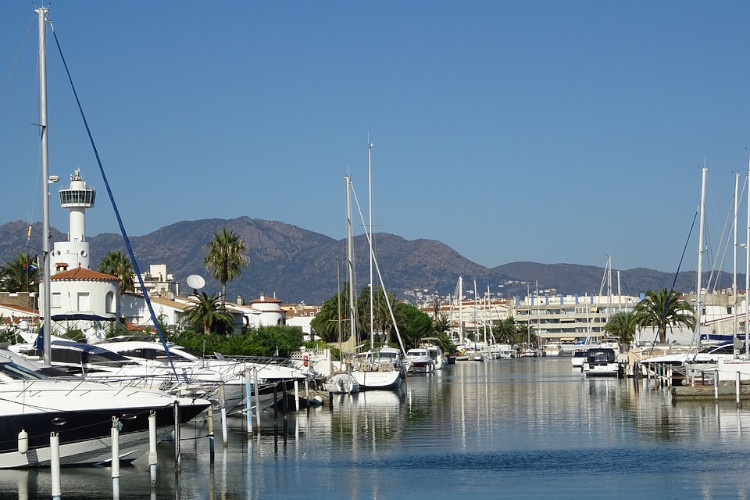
(152, 457)
(176, 436)
(248, 402)
(54, 450)
(257, 400)
(211, 433)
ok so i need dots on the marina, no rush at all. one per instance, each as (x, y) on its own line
(523, 428)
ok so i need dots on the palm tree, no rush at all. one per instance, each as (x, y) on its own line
(332, 315)
(208, 313)
(622, 325)
(381, 316)
(20, 275)
(225, 256)
(663, 309)
(116, 263)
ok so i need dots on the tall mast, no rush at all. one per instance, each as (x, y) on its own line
(734, 263)
(747, 270)
(700, 257)
(461, 310)
(42, 16)
(372, 289)
(350, 263)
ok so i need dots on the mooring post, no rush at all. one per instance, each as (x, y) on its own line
(296, 394)
(222, 399)
(177, 459)
(152, 457)
(248, 402)
(211, 452)
(737, 390)
(115, 434)
(257, 399)
(54, 450)
(716, 385)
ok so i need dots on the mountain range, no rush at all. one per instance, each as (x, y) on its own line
(296, 265)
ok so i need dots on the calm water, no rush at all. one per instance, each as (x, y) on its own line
(525, 428)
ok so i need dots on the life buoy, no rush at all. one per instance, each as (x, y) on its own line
(305, 360)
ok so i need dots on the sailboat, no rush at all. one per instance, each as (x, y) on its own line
(377, 368)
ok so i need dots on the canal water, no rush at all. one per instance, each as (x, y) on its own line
(523, 428)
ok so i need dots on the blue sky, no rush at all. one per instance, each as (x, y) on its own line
(545, 131)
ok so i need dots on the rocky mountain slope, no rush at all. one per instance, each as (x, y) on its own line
(298, 265)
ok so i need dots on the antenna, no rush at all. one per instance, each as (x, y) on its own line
(196, 282)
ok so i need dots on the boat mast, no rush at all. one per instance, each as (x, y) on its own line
(372, 290)
(700, 257)
(461, 310)
(734, 265)
(350, 263)
(42, 16)
(747, 270)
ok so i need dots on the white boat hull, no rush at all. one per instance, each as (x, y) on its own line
(387, 379)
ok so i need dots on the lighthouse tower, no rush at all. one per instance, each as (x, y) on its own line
(74, 252)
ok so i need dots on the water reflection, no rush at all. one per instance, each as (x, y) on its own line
(526, 427)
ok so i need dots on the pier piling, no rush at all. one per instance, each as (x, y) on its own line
(54, 449)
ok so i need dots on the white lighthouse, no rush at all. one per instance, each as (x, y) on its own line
(74, 252)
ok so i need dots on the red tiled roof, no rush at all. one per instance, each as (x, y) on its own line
(81, 273)
(266, 300)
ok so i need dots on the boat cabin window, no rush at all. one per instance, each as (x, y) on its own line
(601, 356)
(12, 371)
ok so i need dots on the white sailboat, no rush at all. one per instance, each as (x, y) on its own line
(381, 368)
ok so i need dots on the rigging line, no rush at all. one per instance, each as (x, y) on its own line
(674, 280)
(114, 205)
(380, 277)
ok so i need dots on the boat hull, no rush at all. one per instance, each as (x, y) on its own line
(81, 414)
(388, 379)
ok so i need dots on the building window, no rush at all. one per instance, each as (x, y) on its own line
(55, 300)
(110, 303)
(84, 302)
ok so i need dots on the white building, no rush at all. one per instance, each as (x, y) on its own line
(80, 296)
(263, 311)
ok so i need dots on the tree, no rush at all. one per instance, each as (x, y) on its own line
(20, 275)
(225, 256)
(441, 324)
(333, 311)
(116, 263)
(661, 310)
(382, 322)
(506, 331)
(622, 325)
(209, 314)
(413, 324)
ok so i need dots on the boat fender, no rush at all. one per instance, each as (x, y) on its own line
(305, 360)
(23, 441)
